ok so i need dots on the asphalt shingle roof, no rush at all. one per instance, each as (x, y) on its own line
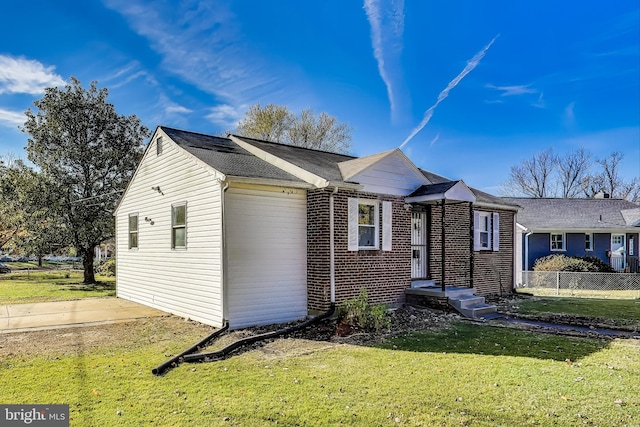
(321, 163)
(226, 156)
(572, 214)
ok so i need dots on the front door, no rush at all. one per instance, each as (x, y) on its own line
(617, 251)
(418, 245)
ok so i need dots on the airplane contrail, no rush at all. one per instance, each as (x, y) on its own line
(473, 63)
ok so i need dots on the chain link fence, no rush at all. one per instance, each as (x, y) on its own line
(578, 284)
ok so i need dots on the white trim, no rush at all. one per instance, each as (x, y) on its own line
(174, 226)
(495, 226)
(387, 220)
(352, 207)
(564, 242)
(590, 248)
(136, 231)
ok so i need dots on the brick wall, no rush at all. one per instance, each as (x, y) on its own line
(493, 271)
(458, 226)
(384, 274)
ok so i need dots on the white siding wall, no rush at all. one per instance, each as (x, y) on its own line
(186, 282)
(267, 253)
(391, 175)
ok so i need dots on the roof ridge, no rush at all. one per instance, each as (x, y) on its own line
(194, 133)
(294, 146)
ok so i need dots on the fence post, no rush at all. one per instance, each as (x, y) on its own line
(557, 283)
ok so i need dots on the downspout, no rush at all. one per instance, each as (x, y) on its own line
(223, 251)
(442, 248)
(526, 250)
(332, 250)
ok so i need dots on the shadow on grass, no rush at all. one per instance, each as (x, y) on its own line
(467, 338)
(95, 287)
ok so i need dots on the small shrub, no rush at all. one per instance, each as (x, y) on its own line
(572, 263)
(357, 313)
(107, 268)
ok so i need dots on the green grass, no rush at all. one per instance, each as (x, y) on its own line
(467, 375)
(589, 307)
(16, 266)
(581, 293)
(55, 285)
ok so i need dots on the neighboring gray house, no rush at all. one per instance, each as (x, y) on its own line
(604, 228)
(255, 232)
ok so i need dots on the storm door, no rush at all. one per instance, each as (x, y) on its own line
(418, 245)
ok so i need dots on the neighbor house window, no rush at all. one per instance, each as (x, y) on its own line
(159, 147)
(133, 231)
(588, 242)
(557, 242)
(486, 231)
(179, 226)
(367, 224)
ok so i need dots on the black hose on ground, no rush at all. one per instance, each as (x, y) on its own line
(221, 354)
(176, 360)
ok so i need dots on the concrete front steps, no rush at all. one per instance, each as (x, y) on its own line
(462, 299)
(473, 307)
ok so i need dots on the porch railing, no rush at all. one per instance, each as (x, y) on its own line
(617, 262)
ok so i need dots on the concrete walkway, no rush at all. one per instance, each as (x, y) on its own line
(60, 314)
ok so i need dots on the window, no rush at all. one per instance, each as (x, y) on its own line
(367, 224)
(557, 242)
(179, 226)
(364, 229)
(631, 246)
(133, 231)
(486, 231)
(159, 142)
(588, 242)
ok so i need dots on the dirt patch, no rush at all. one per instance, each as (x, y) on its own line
(70, 341)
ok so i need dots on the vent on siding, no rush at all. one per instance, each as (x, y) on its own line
(159, 145)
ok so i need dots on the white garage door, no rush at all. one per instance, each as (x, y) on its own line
(267, 256)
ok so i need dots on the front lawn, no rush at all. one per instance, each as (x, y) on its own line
(602, 312)
(466, 374)
(56, 285)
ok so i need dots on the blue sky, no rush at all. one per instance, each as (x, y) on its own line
(470, 88)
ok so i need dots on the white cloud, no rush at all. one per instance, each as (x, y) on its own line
(387, 28)
(199, 42)
(513, 90)
(19, 75)
(11, 118)
(569, 115)
(471, 65)
(226, 115)
(177, 109)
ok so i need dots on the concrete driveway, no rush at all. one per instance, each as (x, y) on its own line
(60, 314)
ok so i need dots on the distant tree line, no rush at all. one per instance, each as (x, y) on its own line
(576, 174)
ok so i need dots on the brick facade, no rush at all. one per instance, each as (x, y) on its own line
(458, 234)
(493, 271)
(384, 274)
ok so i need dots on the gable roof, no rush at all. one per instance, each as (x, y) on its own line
(482, 198)
(225, 156)
(452, 190)
(320, 163)
(576, 214)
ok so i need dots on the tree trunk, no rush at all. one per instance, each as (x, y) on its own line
(40, 261)
(87, 263)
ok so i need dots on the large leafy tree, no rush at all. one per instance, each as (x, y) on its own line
(278, 124)
(29, 211)
(78, 141)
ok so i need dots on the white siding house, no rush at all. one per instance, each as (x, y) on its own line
(254, 232)
(184, 281)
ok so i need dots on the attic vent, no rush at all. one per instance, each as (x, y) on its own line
(159, 145)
